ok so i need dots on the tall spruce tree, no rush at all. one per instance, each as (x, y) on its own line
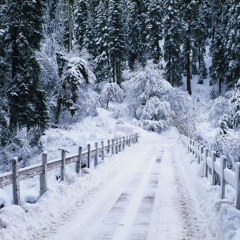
(172, 43)
(26, 100)
(116, 40)
(232, 52)
(102, 70)
(81, 22)
(218, 46)
(154, 29)
(137, 34)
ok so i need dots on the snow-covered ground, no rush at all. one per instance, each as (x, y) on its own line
(152, 190)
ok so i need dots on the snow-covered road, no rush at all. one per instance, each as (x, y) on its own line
(143, 196)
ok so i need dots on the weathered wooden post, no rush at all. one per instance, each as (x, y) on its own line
(102, 151)
(196, 150)
(205, 155)
(223, 161)
(120, 144)
(136, 137)
(16, 187)
(189, 145)
(79, 161)
(201, 153)
(43, 176)
(108, 149)
(123, 143)
(116, 147)
(214, 175)
(63, 170)
(88, 155)
(237, 190)
(129, 140)
(112, 146)
(96, 155)
(193, 143)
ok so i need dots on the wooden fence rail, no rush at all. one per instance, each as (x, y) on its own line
(215, 168)
(14, 177)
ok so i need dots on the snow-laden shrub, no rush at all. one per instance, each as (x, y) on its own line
(147, 84)
(220, 107)
(142, 85)
(111, 92)
(227, 140)
(228, 145)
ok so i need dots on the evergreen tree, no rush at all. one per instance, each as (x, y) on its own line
(68, 24)
(27, 107)
(116, 40)
(137, 34)
(172, 43)
(154, 29)
(218, 46)
(232, 52)
(81, 18)
(102, 38)
(186, 10)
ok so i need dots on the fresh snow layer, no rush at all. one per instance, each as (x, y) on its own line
(152, 190)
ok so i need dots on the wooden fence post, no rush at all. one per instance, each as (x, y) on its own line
(16, 187)
(112, 146)
(214, 175)
(96, 155)
(43, 176)
(63, 170)
(123, 143)
(129, 140)
(116, 147)
(223, 160)
(136, 137)
(102, 154)
(205, 162)
(189, 146)
(79, 161)
(120, 144)
(108, 149)
(237, 190)
(88, 155)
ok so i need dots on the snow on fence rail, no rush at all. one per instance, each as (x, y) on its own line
(215, 168)
(114, 146)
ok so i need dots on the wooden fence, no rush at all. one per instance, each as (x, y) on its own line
(114, 146)
(215, 168)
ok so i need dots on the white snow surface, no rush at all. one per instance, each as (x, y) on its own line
(152, 190)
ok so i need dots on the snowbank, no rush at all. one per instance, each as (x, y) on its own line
(223, 218)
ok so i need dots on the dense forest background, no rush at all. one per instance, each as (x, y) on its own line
(60, 59)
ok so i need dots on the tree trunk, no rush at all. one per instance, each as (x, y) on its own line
(188, 67)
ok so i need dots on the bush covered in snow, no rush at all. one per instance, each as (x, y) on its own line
(154, 102)
(225, 113)
(111, 92)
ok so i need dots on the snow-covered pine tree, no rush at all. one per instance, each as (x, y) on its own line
(102, 69)
(68, 24)
(116, 39)
(74, 93)
(218, 46)
(186, 16)
(26, 100)
(137, 33)
(172, 43)
(154, 29)
(90, 34)
(81, 19)
(232, 51)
